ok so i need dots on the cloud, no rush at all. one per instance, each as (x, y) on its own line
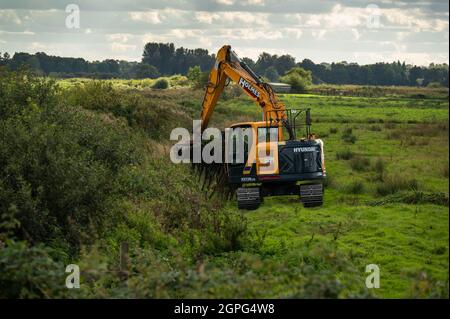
(151, 17)
(37, 46)
(120, 47)
(121, 37)
(10, 16)
(242, 2)
(320, 30)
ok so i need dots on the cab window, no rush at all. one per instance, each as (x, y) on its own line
(267, 134)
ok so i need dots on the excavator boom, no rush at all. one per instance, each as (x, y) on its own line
(228, 66)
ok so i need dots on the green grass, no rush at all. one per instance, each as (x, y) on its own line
(406, 241)
(386, 202)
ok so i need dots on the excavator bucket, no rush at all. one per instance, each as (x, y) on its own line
(213, 177)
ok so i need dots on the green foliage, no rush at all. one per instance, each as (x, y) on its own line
(395, 183)
(344, 154)
(298, 78)
(146, 71)
(360, 163)
(30, 272)
(196, 77)
(348, 137)
(153, 116)
(380, 168)
(355, 187)
(271, 74)
(84, 165)
(413, 197)
(161, 84)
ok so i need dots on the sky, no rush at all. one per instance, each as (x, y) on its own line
(416, 32)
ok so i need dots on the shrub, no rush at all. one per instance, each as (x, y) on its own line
(394, 184)
(347, 136)
(329, 181)
(161, 84)
(359, 163)
(344, 154)
(333, 130)
(30, 272)
(375, 128)
(355, 187)
(379, 167)
(298, 78)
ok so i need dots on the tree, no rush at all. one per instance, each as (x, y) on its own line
(146, 71)
(197, 78)
(299, 78)
(272, 74)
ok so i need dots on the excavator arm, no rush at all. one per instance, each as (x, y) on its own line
(228, 67)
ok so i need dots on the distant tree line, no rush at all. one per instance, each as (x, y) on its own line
(164, 59)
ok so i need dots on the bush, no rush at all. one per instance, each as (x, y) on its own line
(59, 169)
(30, 272)
(347, 136)
(298, 78)
(394, 184)
(379, 167)
(355, 187)
(359, 163)
(161, 84)
(333, 130)
(59, 176)
(344, 155)
(197, 78)
(153, 112)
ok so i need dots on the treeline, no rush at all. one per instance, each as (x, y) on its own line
(66, 67)
(164, 59)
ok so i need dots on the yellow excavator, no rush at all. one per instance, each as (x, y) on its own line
(276, 162)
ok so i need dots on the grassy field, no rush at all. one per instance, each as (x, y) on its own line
(408, 140)
(386, 200)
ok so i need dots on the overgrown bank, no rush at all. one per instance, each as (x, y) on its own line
(85, 169)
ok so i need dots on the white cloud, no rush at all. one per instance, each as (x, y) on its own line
(232, 18)
(151, 17)
(37, 46)
(328, 32)
(242, 2)
(120, 47)
(120, 37)
(10, 16)
(356, 34)
(293, 32)
(319, 34)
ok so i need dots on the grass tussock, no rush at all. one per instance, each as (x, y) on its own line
(414, 197)
(348, 136)
(355, 187)
(360, 163)
(395, 183)
(344, 155)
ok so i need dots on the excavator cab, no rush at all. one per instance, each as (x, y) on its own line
(276, 164)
